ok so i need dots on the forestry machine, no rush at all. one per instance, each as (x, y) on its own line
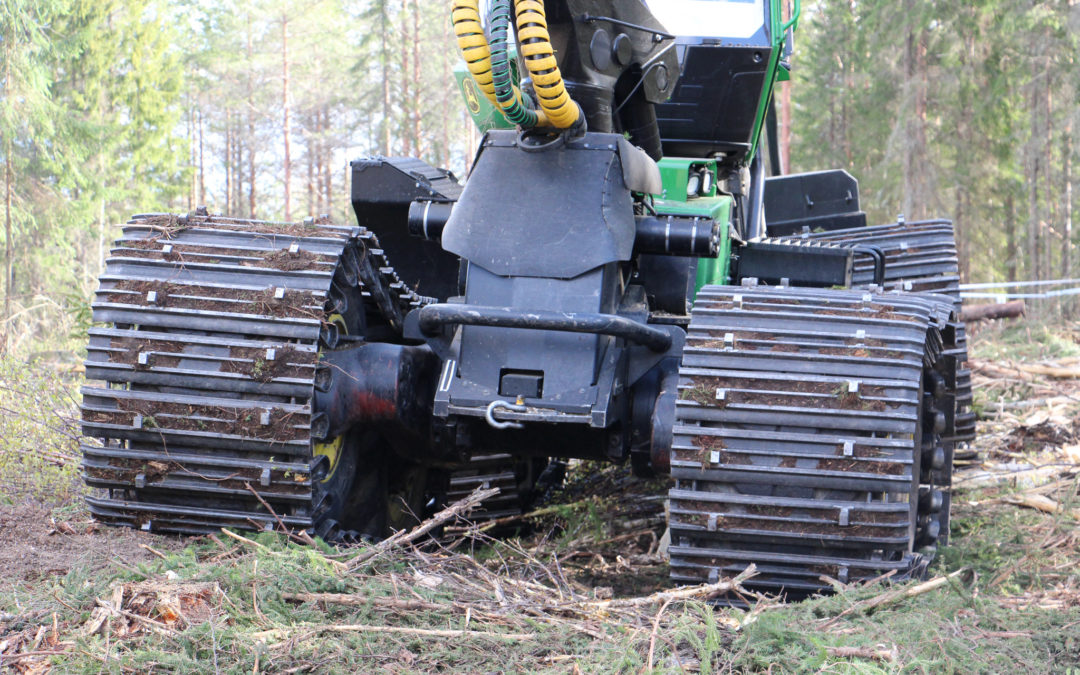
(619, 279)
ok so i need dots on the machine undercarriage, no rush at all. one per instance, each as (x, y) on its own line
(799, 374)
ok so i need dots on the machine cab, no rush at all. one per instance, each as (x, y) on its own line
(729, 51)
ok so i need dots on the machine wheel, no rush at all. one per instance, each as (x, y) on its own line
(209, 357)
(807, 438)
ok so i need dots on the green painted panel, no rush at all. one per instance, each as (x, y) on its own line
(483, 112)
(674, 201)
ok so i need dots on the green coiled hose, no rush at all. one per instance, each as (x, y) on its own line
(506, 92)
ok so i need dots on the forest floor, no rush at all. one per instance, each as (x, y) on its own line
(584, 589)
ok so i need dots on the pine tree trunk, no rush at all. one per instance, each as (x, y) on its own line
(385, 58)
(1048, 162)
(251, 124)
(417, 103)
(286, 131)
(310, 155)
(908, 203)
(407, 148)
(228, 163)
(1066, 167)
(202, 172)
(785, 113)
(327, 160)
(1010, 238)
(9, 239)
(1033, 186)
(192, 186)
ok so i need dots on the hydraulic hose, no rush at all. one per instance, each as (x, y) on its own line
(474, 45)
(506, 91)
(554, 100)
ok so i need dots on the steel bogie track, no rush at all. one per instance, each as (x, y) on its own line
(799, 438)
(488, 471)
(208, 361)
(920, 257)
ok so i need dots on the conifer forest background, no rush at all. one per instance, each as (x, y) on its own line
(253, 108)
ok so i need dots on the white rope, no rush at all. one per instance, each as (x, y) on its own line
(1018, 284)
(1004, 297)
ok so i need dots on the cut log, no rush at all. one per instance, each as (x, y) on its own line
(1003, 310)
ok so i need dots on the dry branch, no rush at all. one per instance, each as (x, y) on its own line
(1004, 310)
(403, 538)
(862, 653)
(279, 633)
(704, 591)
(349, 599)
(1039, 502)
(1056, 372)
(893, 596)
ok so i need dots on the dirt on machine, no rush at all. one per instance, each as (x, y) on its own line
(625, 276)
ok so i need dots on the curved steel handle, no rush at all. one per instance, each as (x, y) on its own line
(433, 317)
(793, 22)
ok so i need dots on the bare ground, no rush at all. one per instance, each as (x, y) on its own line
(35, 544)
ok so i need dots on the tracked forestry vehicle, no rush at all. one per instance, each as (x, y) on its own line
(618, 279)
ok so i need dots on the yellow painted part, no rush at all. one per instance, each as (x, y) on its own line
(332, 448)
(474, 45)
(555, 101)
(556, 108)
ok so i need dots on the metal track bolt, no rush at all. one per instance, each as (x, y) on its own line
(294, 248)
(151, 297)
(264, 478)
(845, 516)
(271, 354)
(849, 449)
(721, 394)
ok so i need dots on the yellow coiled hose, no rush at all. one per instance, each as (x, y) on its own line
(474, 45)
(556, 107)
(540, 61)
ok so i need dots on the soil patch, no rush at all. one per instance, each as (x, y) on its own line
(35, 544)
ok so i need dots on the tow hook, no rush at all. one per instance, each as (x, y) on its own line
(489, 414)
